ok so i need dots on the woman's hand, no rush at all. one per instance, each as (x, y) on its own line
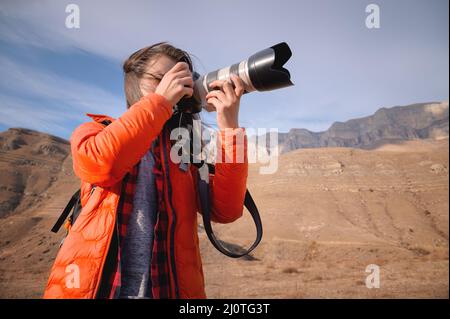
(226, 101)
(176, 83)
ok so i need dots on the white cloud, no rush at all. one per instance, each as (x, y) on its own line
(17, 112)
(42, 100)
(110, 29)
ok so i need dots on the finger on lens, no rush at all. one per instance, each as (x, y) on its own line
(238, 85)
(214, 102)
(228, 89)
(182, 74)
(187, 81)
(216, 83)
(216, 94)
(180, 66)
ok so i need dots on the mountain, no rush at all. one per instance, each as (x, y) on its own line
(30, 162)
(399, 123)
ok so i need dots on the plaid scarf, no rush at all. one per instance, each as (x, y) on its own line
(160, 280)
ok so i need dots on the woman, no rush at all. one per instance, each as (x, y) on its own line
(136, 235)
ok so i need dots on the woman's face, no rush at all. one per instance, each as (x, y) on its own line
(155, 71)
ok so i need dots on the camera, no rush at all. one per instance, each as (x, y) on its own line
(262, 71)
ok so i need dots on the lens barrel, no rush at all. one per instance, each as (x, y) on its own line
(263, 71)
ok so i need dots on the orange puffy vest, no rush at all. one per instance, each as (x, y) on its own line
(102, 156)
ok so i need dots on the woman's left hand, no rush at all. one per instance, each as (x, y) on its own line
(226, 101)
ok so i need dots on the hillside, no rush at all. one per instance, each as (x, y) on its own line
(387, 125)
(30, 163)
(327, 214)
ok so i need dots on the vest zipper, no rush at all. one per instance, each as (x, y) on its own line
(92, 190)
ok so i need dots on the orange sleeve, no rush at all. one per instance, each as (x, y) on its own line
(102, 156)
(229, 183)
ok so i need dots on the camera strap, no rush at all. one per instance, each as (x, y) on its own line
(205, 201)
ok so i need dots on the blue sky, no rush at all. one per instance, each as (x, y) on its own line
(51, 76)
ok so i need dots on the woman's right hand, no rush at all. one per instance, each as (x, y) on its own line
(176, 83)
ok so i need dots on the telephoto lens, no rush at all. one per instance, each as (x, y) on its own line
(262, 71)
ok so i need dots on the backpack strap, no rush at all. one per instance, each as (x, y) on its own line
(205, 202)
(73, 202)
(65, 213)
